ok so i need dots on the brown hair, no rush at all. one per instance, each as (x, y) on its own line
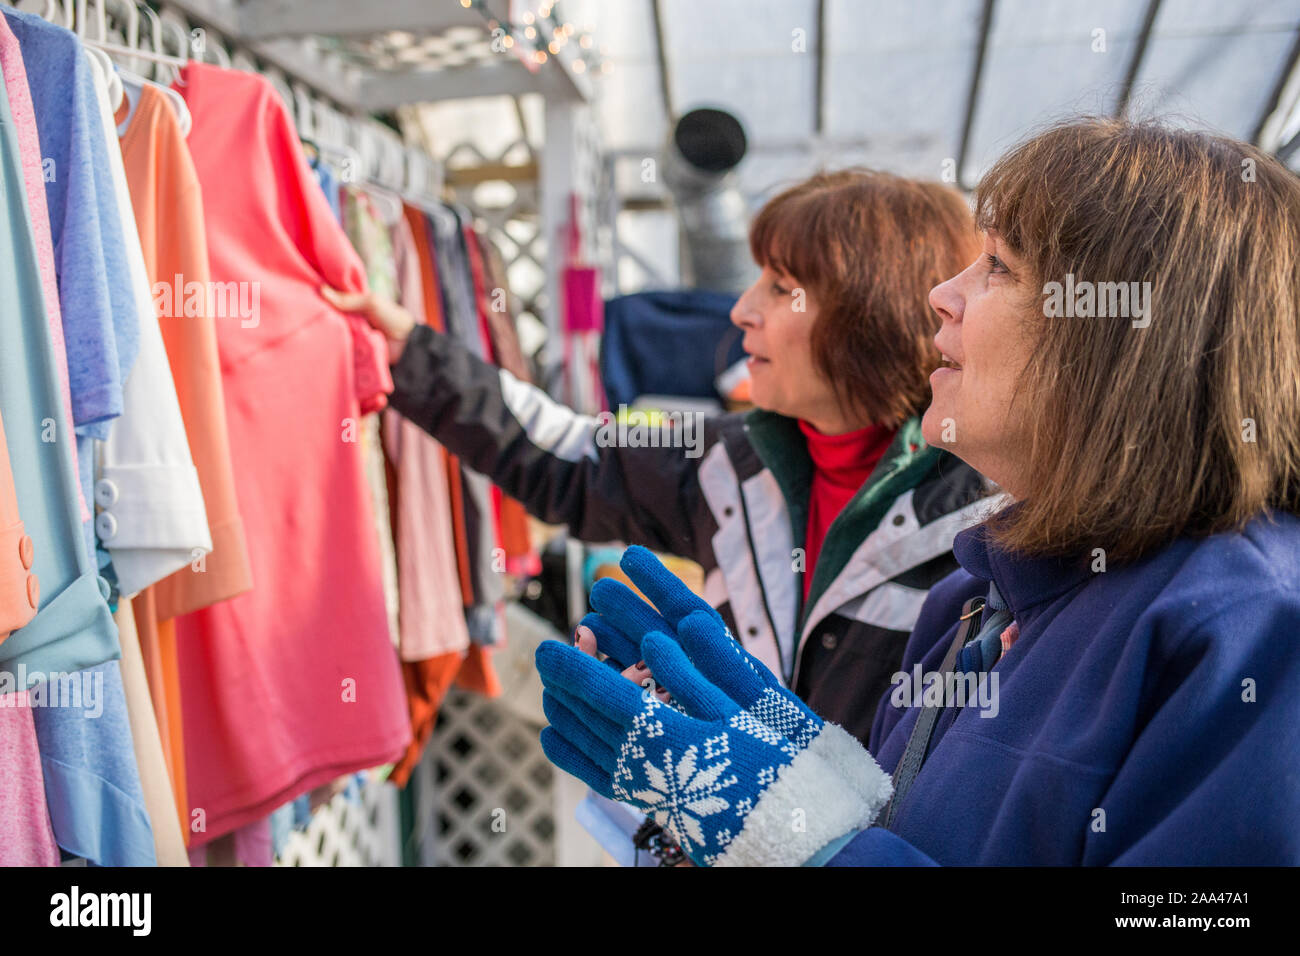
(869, 246)
(1191, 425)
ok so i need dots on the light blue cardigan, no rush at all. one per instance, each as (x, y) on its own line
(91, 779)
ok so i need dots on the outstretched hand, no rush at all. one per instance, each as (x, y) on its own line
(384, 314)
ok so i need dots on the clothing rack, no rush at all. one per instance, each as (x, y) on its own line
(119, 50)
(376, 153)
(176, 35)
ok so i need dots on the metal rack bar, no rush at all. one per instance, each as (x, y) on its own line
(138, 54)
(1139, 54)
(1287, 76)
(973, 94)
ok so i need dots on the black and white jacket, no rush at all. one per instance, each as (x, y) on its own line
(736, 503)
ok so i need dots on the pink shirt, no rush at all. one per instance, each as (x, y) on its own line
(26, 834)
(432, 614)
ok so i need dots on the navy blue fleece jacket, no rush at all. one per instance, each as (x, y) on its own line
(1147, 715)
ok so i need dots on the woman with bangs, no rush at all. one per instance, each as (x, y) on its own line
(1131, 608)
(821, 518)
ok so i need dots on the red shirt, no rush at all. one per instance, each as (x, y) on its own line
(841, 465)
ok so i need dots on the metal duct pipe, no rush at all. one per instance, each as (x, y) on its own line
(699, 163)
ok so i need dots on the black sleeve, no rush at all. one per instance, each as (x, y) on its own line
(561, 465)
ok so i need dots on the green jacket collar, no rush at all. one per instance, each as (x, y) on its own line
(784, 450)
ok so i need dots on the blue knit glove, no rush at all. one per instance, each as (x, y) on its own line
(624, 618)
(730, 789)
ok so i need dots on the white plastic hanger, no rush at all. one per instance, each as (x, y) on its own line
(177, 32)
(115, 91)
(387, 204)
(132, 82)
(51, 10)
(182, 109)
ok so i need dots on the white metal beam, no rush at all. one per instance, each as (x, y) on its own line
(555, 185)
(385, 91)
(272, 19)
(361, 89)
(327, 74)
(1280, 120)
(381, 91)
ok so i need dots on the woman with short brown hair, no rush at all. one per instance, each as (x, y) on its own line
(1113, 675)
(862, 243)
(821, 518)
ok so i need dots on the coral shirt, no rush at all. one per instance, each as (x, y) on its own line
(841, 465)
(296, 682)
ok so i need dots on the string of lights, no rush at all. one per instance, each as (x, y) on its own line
(546, 33)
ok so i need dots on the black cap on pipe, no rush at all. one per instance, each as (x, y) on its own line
(713, 141)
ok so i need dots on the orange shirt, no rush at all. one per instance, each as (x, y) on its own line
(168, 208)
(19, 588)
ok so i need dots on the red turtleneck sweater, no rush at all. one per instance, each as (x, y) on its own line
(841, 464)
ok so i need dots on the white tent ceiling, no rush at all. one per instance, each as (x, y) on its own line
(895, 83)
(919, 87)
(896, 77)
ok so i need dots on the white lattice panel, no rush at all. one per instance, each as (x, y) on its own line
(509, 210)
(485, 789)
(344, 834)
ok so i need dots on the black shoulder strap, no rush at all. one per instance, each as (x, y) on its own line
(919, 742)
